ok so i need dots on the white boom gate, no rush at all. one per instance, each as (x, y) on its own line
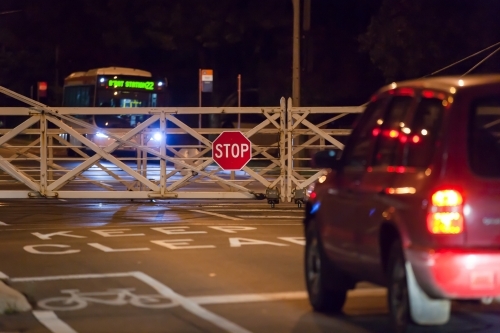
(53, 152)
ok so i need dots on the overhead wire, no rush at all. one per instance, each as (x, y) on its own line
(479, 63)
(467, 58)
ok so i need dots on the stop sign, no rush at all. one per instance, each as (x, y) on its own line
(232, 150)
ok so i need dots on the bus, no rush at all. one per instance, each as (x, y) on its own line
(113, 87)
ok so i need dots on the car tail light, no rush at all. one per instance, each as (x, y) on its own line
(446, 213)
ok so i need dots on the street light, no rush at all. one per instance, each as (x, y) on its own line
(296, 54)
(296, 45)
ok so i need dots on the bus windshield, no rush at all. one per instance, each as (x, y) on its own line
(126, 99)
(115, 87)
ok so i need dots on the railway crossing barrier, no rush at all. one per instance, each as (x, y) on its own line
(55, 152)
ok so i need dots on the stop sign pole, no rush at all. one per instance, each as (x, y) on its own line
(232, 150)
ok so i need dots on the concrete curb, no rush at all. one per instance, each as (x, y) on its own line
(12, 300)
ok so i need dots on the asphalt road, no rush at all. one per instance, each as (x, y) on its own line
(122, 266)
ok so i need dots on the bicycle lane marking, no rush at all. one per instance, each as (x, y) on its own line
(191, 306)
(162, 289)
(217, 215)
(76, 300)
(52, 322)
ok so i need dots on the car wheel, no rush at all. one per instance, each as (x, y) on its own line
(327, 287)
(408, 303)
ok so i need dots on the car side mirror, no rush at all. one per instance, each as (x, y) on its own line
(326, 159)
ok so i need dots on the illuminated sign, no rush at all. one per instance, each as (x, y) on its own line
(147, 85)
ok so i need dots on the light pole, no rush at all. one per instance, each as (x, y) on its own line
(296, 54)
(306, 26)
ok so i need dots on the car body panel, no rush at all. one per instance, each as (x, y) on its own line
(358, 204)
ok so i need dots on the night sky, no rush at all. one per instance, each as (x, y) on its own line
(353, 47)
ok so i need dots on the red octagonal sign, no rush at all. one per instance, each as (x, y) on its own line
(232, 150)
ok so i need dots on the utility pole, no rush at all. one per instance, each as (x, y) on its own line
(296, 54)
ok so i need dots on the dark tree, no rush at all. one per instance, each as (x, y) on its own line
(409, 39)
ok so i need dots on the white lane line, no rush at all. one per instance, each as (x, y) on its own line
(270, 217)
(178, 224)
(283, 296)
(191, 306)
(245, 298)
(52, 322)
(367, 292)
(3, 276)
(295, 240)
(215, 214)
(70, 277)
(3, 223)
(256, 210)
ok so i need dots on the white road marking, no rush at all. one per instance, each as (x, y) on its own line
(52, 322)
(3, 276)
(108, 249)
(215, 214)
(367, 292)
(179, 230)
(33, 249)
(180, 244)
(59, 233)
(256, 210)
(3, 223)
(295, 240)
(282, 296)
(270, 217)
(63, 200)
(238, 242)
(162, 289)
(233, 229)
(57, 226)
(190, 306)
(245, 298)
(70, 277)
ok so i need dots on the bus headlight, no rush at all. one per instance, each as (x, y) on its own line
(157, 136)
(101, 135)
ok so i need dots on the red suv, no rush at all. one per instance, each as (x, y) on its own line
(413, 201)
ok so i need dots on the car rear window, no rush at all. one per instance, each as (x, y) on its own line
(484, 137)
(389, 143)
(425, 129)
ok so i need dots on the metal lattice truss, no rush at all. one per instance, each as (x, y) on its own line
(306, 136)
(53, 153)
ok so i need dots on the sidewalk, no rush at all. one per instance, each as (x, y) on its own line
(11, 300)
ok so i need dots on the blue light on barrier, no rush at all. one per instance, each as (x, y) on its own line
(157, 136)
(315, 207)
(101, 135)
(160, 84)
(101, 80)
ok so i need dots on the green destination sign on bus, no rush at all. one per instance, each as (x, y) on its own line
(147, 85)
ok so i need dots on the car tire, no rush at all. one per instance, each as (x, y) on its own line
(408, 303)
(326, 286)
